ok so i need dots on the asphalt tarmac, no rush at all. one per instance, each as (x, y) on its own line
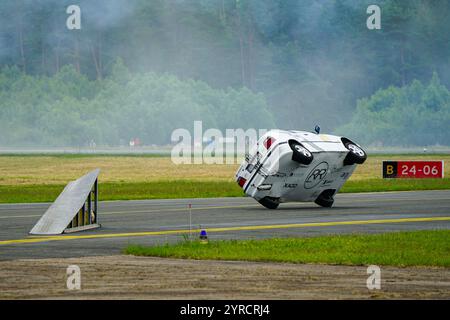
(159, 221)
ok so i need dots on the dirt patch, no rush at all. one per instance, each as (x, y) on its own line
(129, 277)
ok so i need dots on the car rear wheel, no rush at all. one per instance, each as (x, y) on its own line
(356, 154)
(269, 202)
(300, 154)
(325, 199)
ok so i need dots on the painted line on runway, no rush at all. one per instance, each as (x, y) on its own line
(289, 204)
(222, 229)
(203, 207)
(29, 216)
(155, 210)
(183, 209)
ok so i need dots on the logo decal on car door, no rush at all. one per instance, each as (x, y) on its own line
(316, 175)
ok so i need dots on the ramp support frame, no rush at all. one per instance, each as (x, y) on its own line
(87, 216)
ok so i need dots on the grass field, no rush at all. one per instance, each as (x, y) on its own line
(41, 178)
(418, 248)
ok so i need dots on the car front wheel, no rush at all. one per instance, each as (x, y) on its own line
(300, 154)
(326, 199)
(356, 154)
(269, 203)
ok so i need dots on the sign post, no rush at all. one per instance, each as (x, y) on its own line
(190, 221)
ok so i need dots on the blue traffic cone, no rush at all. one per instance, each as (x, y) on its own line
(203, 236)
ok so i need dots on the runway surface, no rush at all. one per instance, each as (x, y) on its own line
(159, 221)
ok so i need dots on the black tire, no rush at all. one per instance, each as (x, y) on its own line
(325, 199)
(269, 203)
(300, 154)
(356, 154)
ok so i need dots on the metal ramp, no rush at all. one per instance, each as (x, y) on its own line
(75, 209)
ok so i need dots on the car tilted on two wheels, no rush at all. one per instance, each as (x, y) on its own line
(287, 166)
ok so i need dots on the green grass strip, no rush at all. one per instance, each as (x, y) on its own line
(197, 189)
(418, 248)
(380, 185)
(126, 191)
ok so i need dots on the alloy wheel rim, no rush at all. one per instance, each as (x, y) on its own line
(356, 150)
(303, 150)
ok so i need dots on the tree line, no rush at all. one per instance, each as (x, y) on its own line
(68, 109)
(305, 62)
(413, 115)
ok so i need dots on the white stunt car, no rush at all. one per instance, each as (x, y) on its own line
(287, 166)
